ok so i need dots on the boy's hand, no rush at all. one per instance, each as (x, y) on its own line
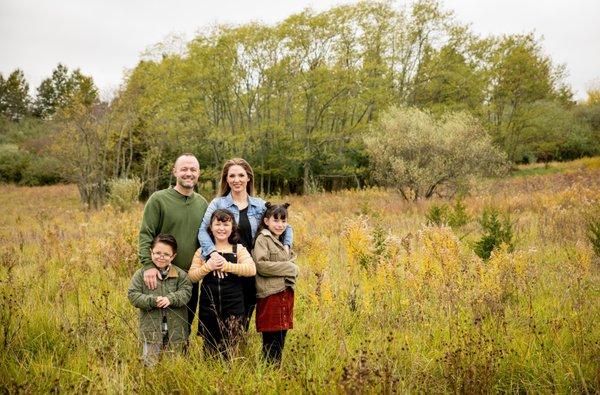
(150, 276)
(162, 302)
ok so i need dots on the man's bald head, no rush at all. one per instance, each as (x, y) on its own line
(186, 156)
(186, 171)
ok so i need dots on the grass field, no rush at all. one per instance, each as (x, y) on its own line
(385, 303)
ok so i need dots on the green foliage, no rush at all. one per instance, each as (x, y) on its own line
(13, 163)
(14, 96)
(454, 216)
(43, 170)
(62, 89)
(437, 215)
(297, 98)
(496, 231)
(593, 228)
(293, 99)
(458, 215)
(535, 171)
(416, 154)
(124, 192)
(24, 152)
(457, 86)
(527, 96)
(550, 132)
(82, 147)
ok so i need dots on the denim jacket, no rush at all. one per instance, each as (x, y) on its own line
(256, 209)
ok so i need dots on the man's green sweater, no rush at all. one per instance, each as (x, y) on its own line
(169, 212)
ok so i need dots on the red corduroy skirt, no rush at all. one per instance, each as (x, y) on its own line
(275, 312)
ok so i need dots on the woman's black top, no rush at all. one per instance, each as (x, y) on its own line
(248, 283)
(244, 230)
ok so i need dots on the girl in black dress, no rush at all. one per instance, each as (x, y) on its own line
(221, 293)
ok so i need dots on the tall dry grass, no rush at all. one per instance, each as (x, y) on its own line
(384, 302)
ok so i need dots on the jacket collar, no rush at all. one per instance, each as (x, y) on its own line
(268, 233)
(252, 201)
(172, 271)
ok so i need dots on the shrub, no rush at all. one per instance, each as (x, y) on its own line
(45, 170)
(458, 216)
(593, 227)
(495, 232)
(417, 154)
(13, 162)
(124, 192)
(454, 216)
(437, 215)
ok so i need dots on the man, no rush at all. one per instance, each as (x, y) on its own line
(177, 211)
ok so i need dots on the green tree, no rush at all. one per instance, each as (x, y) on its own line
(14, 96)
(61, 89)
(496, 231)
(520, 75)
(416, 154)
(449, 82)
(552, 132)
(83, 147)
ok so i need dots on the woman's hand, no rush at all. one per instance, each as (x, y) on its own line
(162, 302)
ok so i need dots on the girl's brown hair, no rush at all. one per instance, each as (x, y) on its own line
(224, 216)
(224, 186)
(278, 211)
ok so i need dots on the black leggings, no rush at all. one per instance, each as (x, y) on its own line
(272, 347)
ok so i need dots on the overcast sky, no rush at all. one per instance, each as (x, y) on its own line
(106, 37)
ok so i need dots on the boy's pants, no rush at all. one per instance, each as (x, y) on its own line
(151, 352)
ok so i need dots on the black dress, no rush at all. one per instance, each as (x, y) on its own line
(222, 312)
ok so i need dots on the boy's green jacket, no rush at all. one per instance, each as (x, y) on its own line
(178, 288)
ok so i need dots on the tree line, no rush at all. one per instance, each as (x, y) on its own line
(297, 99)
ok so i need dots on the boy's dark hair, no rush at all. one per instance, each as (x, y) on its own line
(278, 211)
(224, 216)
(165, 239)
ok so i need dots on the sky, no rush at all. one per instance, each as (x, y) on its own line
(105, 38)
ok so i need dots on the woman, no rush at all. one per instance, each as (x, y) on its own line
(235, 194)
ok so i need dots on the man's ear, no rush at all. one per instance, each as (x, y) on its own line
(286, 205)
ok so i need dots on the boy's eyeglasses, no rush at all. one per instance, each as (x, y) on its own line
(161, 255)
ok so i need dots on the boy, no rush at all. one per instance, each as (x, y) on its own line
(163, 315)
